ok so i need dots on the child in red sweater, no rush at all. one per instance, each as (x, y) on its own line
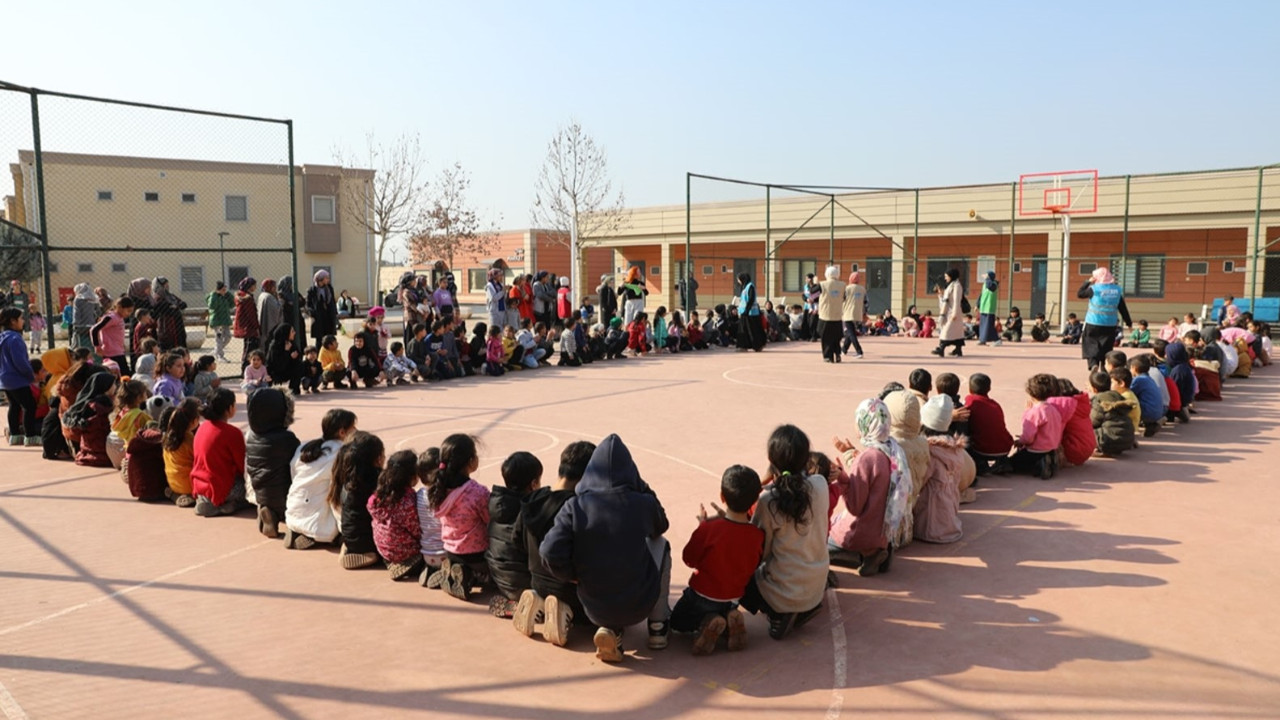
(217, 468)
(724, 552)
(989, 438)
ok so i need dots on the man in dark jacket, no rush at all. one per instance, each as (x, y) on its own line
(268, 451)
(608, 539)
(508, 563)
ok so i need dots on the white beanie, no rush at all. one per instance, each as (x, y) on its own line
(564, 281)
(936, 413)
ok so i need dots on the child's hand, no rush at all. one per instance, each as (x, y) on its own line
(960, 414)
(842, 444)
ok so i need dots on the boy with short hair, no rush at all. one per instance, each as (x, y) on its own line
(397, 367)
(1141, 337)
(1120, 380)
(1041, 430)
(608, 538)
(1110, 416)
(312, 370)
(989, 439)
(948, 385)
(724, 552)
(1150, 405)
(416, 351)
(507, 559)
(1071, 331)
(920, 383)
(1115, 359)
(362, 362)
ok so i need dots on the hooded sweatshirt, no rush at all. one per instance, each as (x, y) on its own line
(937, 510)
(508, 562)
(270, 447)
(537, 515)
(600, 539)
(1179, 370)
(15, 366)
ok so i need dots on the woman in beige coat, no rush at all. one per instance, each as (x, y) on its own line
(951, 315)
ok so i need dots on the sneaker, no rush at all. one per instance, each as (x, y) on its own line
(526, 613)
(557, 619)
(268, 523)
(608, 645)
(34, 441)
(502, 607)
(431, 578)
(356, 561)
(16, 440)
(658, 632)
(205, 507)
(709, 632)
(780, 625)
(296, 540)
(454, 581)
(937, 351)
(184, 501)
(737, 625)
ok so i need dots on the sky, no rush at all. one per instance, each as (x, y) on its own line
(903, 94)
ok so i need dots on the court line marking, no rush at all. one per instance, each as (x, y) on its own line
(12, 710)
(840, 648)
(125, 591)
(726, 375)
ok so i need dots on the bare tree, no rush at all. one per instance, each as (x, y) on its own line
(449, 225)
(389, 205)
(575, 197)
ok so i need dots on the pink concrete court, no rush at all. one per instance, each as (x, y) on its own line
(1138, 587)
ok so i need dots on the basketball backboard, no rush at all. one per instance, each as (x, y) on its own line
(1069, 192)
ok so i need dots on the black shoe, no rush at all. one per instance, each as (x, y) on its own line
(957, 353)
(871, 564)
(936, 351)
(806, 616)
(780, 625)
(888, 560)
(832, 580)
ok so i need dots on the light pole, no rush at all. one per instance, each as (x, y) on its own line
(222, 254)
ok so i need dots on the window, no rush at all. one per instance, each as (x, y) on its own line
(655, 270)
(794, 272)
(106, 195)
(84, 267)
(476, 279)
(237, 208)
(322, 209)
(1197, 268)
(853, 268)
(1088, 268)
(151, 196)
(188, 197)
(1228, 266)
(53, 267)
(1141, 276)
(236, 273)
(119, 268)
(191, 278)
(1017, 267)
(724, 268)
(707, 269)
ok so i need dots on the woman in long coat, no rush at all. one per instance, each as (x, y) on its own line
(322, 306)
(167, 309)
(988, 303)
(951, 316)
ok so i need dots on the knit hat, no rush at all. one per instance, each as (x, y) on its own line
(564, 281)
(377, 311)
(936, 413)
(246, 283)
(615, 322)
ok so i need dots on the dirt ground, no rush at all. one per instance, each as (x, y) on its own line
(1135, 587)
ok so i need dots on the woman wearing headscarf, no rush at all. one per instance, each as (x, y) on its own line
(289, 310)
(633, 292)
(495, 299)
(1106, 309)
(140, 292)
(951, 314)
(85, 311)
(608, 300)
(875, 483)
(171, 331)
(244, 324)
(987, 307)
(831, 314)
(905, 428)
(852, 312)
(270, 313)
(750, 322)
(322, 306)
(104, 298)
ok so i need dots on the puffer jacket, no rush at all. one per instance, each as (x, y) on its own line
(355, 523)
(306, 509)
(1078, 439)
(1111, 424)
(144, 459)
(937, 510)
(600, 539)
(508, 563)
(93, 436)
(269, 447)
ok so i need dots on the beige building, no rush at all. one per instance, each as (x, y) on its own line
(112, 218)
(1176, 242)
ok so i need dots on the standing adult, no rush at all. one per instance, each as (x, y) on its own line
(987, 308)
(750, 325)
(408, 297)
(1106, 309)
(270, 314)
(608, 303)
(18, 298)
(831, 314)
(688, 287)
(219, 302)
(245, 324)
(544, 298)
(171, 328)
(855, 308)
(519, 300)
(289, 307)
(322, 306)
(633, 293)
(495, 299)
(950, 314)
(810, 312)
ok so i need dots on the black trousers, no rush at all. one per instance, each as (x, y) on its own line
(692, 607)
(830, 331)
(22, 412)
(851, 338)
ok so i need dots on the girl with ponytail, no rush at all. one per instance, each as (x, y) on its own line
(307, 516)
(462, 507)
(355, 478)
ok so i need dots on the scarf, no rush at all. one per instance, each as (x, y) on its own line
(1102, 276)
(80, 412)
(873, 427)
(84, 292)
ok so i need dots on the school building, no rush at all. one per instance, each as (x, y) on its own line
(113, 218)
(1174, 241)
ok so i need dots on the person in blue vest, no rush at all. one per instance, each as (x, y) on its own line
(1106, 310)
(751, 329)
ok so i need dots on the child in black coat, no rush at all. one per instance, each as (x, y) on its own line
(507, 560)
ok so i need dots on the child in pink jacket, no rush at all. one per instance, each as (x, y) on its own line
(462, 506)
(1041, 430)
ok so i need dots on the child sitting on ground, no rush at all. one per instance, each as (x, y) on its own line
(1078, 439)
(145, 369)
(1071, 331)
(1141, 336)
(171, 373)
(217, 458)
(723, 552)
(615, 340)
(90, 416)
(1041, 430)
(1169, 332)
(331, 361)
(1150, 404)
(1013, 326)
(493, 354)
(394, 512)
(430, 545)
(269, 450)
(512, 351)
(462, 506)
(1109, 416)
(936, 514)
(355, 479)
(397, 367)
(948, 385)
(178, 444)
(507, 561)
(1040, 329)
(206, 376)
(608, 538)
(143, 465)
(660, 329)
(312, 372)
(556, 600)
(255, 373)
(308, 517)
(362, 361)
(1178, 369)
(1120, 381)
(129, 418)
(637, 334)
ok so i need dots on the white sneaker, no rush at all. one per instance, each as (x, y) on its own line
(557, 619)
(998, 343)
(526, 613)
(608, 645)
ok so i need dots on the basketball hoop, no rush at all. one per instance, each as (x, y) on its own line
(1062, 194)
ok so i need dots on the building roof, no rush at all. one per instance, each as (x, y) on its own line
(129, 161)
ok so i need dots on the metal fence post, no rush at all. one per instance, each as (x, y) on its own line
(1013, 231)
(1258, 244)
(44, 226)
(293, 239)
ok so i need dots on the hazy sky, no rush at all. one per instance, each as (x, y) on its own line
(852, 93)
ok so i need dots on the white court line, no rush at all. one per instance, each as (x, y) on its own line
(131, 588)
(727, 373)
(12, 710)
(840, 648)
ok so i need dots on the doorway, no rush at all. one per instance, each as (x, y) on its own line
(936, 269)
(1039, 284)
(879, 284)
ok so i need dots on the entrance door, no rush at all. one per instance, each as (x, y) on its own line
(879, 284)
(748, 266)
(1039, 284)
(937, 268)
(1271, 274)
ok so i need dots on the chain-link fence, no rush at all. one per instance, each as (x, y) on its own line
(116, 193)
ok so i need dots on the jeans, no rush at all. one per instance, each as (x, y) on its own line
(692, 607)
(851, 338)
(221, 336)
